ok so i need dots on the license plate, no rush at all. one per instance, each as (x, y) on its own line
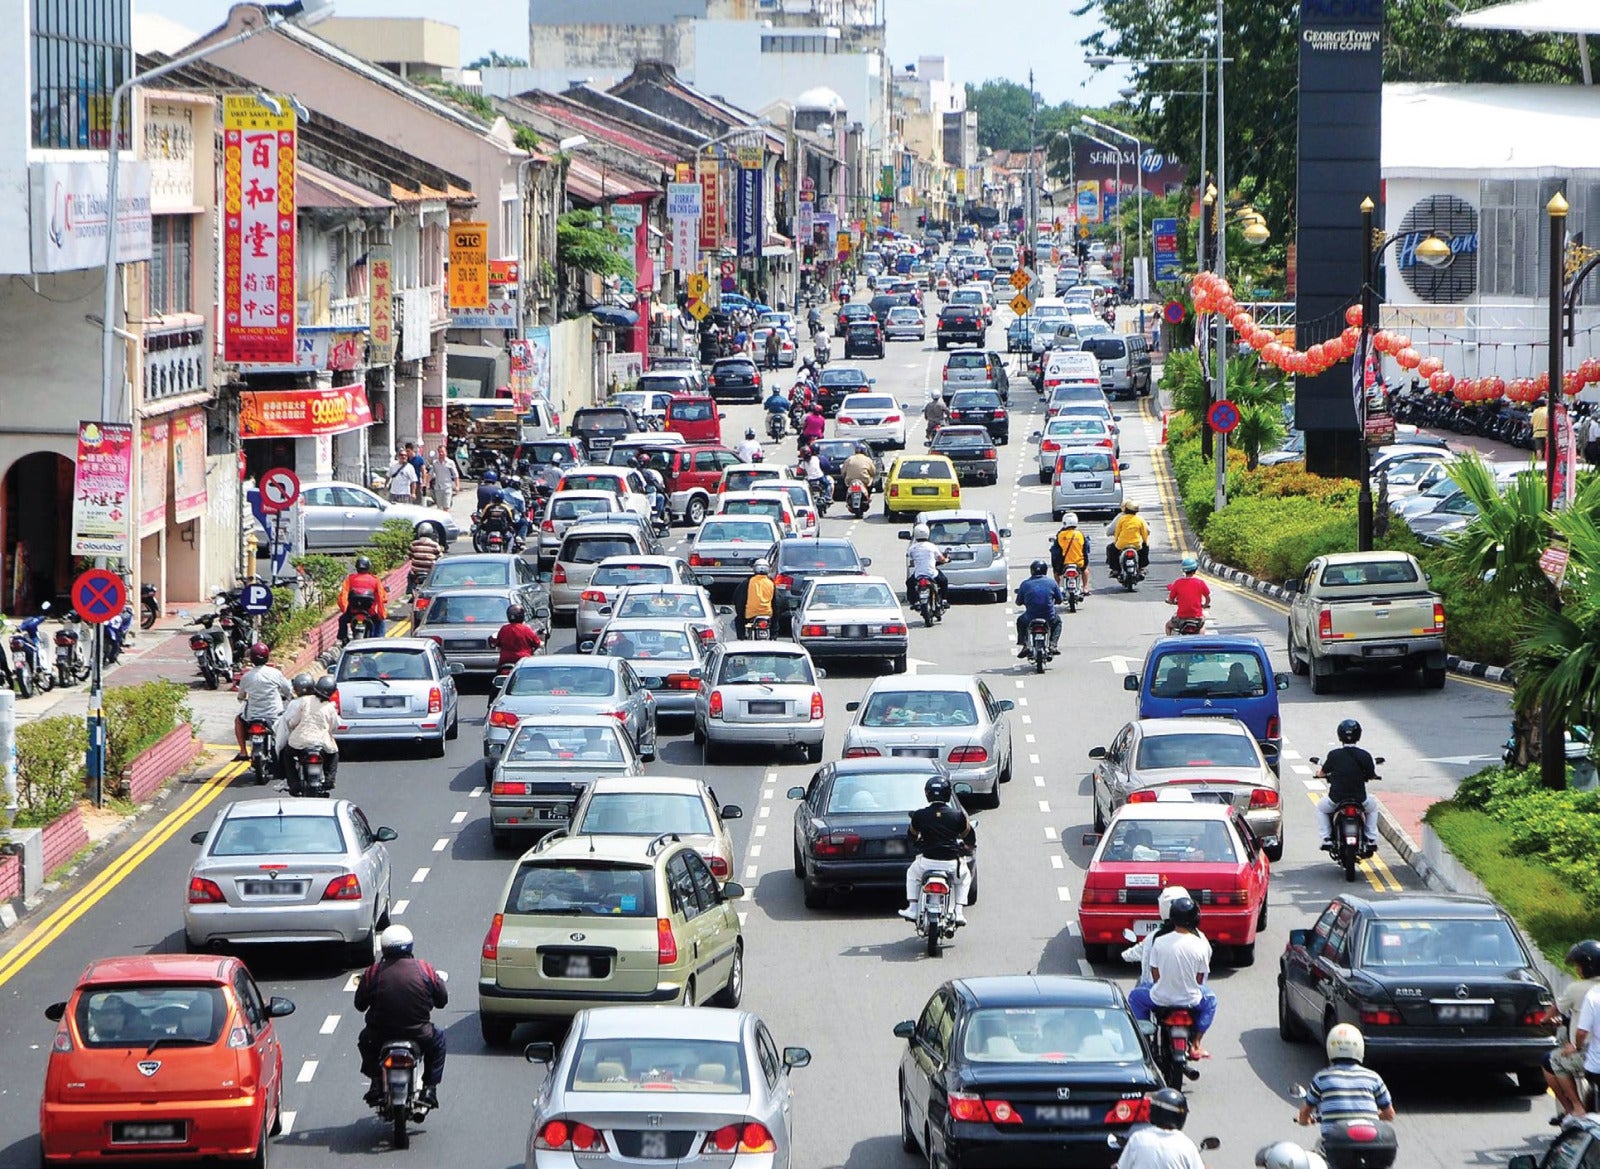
(1086, 485)
(916, 752)
(273, 888)
(765, 707)
(459, 644)
(653, 1145)
(961, 556)
(924, 491)
(1385, 651)
(852, 631)
(1145, 926)
(1061, 1113)
(1461, 1012)
(579, 966)
(561, 812)
(385, 702)
(894, 848)
(171, 1132)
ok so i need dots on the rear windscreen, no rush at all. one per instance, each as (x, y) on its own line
(582, 889)
(1106, 348)
(148, 1015)
(971, 360)
(603, 420)
(692, 412)
(594, 549)
(467, 610)
(943, 532)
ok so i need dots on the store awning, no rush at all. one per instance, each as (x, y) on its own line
(614, 317)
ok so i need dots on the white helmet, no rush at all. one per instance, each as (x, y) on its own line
(920, 532)
(1169, 895)
(1345, 1041)
(762, 568)
(396, 940)
(1288, 1155)
(1069, 520)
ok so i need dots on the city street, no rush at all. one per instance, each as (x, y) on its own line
(834, 980)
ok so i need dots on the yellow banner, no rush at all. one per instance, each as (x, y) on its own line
(750, 157)
(469, 265)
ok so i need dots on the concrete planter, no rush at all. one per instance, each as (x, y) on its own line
(158, 763)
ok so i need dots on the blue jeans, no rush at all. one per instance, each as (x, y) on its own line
(1139, 1002)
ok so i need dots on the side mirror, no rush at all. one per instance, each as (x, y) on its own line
(199, 837)
(721, 416)
(1005, 533)
(1090, 839)
(866, 562)
(903, 406)
(1315, 759)
(606, 610)
(906, 1029)
(457, 668)
(731, 812)
(852, 706)
(1122, 466)
(1298, 938)
(1006, 704)
(498, 682)
(1298, 1092)
(796, 793)
(1281, 681)
(1291, 586)
(1523, 1161)
(586, 646)
(703, 580)
(278, 1006)
(1147, 1027)
(1377, 758)
(697, 672)
(905, 535)
(1210, 1143)
(385, 835)
(1036, 436)
(732, 891)
(539, 1053)
(1130, 682)
(796, 1057)
(542, 612)
(1097, 752)
(55, 1012)
(724, 610)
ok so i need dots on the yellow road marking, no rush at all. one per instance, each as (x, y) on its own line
(400, 628)
(1386, 873)
(57, 922)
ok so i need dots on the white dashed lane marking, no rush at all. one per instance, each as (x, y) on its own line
(419, 876)
(308, 1069)
(1056, 862)
(329, 1025)
(476, 792)
(441, 844)
(399, 907)
(287, 1121)
(1064, 893)
(458, 818)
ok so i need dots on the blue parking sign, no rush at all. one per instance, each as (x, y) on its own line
(256, 599)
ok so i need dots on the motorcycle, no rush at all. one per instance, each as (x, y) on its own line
(822, 495)
(1358, 1142)
(1174, 1029)
(936, 905)
(259, 736)
(27, 658)
(494, 539)
(1072, 587)
(149, 607)
(1128, 568)
(362, 624)
(1348, 830)
(117, 632)
(759, 629)
(209, 643)
(858, 498)
(402, 1065)
(312, 772)
(925, 599)
(72, 651)
(776, 428)
(1039, 643)
(1188, 626)
(8, 679)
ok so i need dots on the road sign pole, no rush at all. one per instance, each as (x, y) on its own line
(95, 756)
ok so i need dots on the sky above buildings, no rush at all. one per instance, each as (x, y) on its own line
(1041, 34)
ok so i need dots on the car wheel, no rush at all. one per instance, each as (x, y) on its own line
(699, 736)
(897, 664)
(500, 840)
(453, 731)
(1530, 1081)
(1289, 1029)
(1099, 816)
(688, 994)
(1244, 955)
(908, 1139)
(694, 512)
(1321, 676)
(1044, 476)
(436, 747)
(731, 994)
(263, 1157)
(1433, 679)
(799, 862)
(813, 752)
(1096, 951)
(1298, 667)
(496, 1029)
(363, 952)
(941, 345)
(816, 897)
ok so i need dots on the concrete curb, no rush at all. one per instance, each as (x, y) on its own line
(1410, 851)
(1244, 580)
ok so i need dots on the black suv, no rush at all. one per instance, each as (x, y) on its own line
(865, 339)
(735, 375)
(837, 383)
(981, 408)
(960, 323)
(854, 311)
(797, 559)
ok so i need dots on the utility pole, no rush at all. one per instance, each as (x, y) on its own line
(1220, 496)
(1028, 209)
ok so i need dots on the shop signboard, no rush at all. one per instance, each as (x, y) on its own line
(380, 303)
(538, 342)
(68, 214)
(1165, 236)
(710, 213)
(1088, 202)
(303, 413)
(152, 476)
(188, 465)
(102, 482)
(258, 231)
(749, 213)
(469, 266)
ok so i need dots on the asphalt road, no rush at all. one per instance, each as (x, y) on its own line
(836, 980)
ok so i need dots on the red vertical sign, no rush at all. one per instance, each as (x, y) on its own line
(710, 213)
(258, 288)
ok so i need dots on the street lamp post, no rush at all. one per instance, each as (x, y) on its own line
(1138, 179)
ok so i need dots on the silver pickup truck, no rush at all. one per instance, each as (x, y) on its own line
(548, 763)
(1365, 611)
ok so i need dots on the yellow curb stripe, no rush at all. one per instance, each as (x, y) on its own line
(57, 922)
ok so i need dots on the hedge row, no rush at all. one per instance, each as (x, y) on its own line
(287, 623)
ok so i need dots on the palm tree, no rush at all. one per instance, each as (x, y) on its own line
(1183, 379)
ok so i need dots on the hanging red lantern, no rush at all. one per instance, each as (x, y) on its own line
(1353, 316)
(1571, 383)
(1316, 354)
(1442, 382)
(1352, 338)
(1429, 366)
(1542, 383)
(1589, 370)
(1383, 341)
(1408, 358)
(1225, 304)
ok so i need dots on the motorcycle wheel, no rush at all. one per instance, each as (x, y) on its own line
(1347, 859)
(935, 941)
(24, 679)
(209, 672)
(926, 609)
(64, 674)
(1175, 1077)
(147, 617)
(1129, 581)
(263, 772)
(402, 1138)
(1039, 657)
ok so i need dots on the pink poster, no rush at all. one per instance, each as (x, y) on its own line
(152, 477)
(101, 485)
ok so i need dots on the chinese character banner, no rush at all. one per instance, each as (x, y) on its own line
(258, 293)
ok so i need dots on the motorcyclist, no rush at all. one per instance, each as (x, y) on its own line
(497, 515)
(1038, 596)
(1162, 1144)
(923, 558)
(776, 403)
(550, 473)
(749, 451)
(1348, 769)
(1563, 1069)
(1344, 1090)
(814, 320)
(363, 588)
(1190, 594)
(1140, 951)
(1070, 548)
(940, 833)
(425, 553)
(310, 721)
(934, 415)
(755, 597)
(816, 475)
(657, 485)
(399, 993)
(516, 639)
(1129, 531)
(809, 371)
(263, 690)
(488, 486)
(1179, 963)
(815, 424)
(819, 348)
(859, 467)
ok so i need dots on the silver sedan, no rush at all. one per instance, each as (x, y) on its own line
(760, 692)
(852, 617)
(562, 684)
(464, 622)
(669, 657)
(725, 548)
(289, 870)
(617, 573)
(729, 1098)
(951, 719)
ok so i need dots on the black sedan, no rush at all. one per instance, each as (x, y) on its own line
(865, 339)
(972, 451)
(837, 383)
(1023, 1071)
(981, 408)
(735, 377)
(848, 314)
(851, 822)
(1426, 977)
(797, 559)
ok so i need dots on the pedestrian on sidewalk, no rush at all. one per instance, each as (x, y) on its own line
(401, 479)
(419, 466)
(263, 690)
(444, 477)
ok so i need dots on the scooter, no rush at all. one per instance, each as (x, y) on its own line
(72, 654)
(1038, 643)
(776, 427)
(402, 1102)
(936, 905)
(1356, 1142)
(312, 771)
(925, 599)
(1072, 587)
(1349, 832)
(858, 498)
(362, 624)
(1174, 1032)
(27, 658)
(212, 653)
(149, 607)
(260, 738)
(759, 629)
(1187, 626)
(1128, 569)
(117, 632)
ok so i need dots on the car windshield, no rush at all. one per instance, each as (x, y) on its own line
(465, 572)
(920, 708)
(570, 509)
(962, 437)
(180, 1015)
(845, 595)
(1369, 572)
(1202, 674)
(1054, 1034)
(690, 411)
(903, 313)
(1075, 425)
(561, 682)
(1202, 750)
(767, 507)
(1106, 348)
(543, 743)
(388, 665)
(811, 556)
(279, 836)
(734, 532)
(626, 574)
(1441, 944)
(924, 469)
(746, 478)
(602, 419)
(1085, 464)
(1407, 472)
(575, 889)
(659, 1065)
(733, 366)
(957, 531)
(670, 645)
(1149, 840)
(592, 481)
(843, 377)
(869, 402)
(864, 329)
(466, 609)
(594, 549)
(879, 791)
(644, 814)
(766, 669)
(659, 604)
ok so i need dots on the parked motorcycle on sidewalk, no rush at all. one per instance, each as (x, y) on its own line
(149, 607)
(212, 652)
(28, 658)
(73, 643)
(1348, 841)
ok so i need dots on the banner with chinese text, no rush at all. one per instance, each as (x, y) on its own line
(258, 231)
(152, 476)
(102, 480)
(380, 304)
(303, 413)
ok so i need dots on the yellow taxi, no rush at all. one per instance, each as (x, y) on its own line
(921, 483)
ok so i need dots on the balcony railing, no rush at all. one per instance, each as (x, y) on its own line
(347, 311)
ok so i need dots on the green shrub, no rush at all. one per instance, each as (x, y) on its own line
(138, 717)
(390, 546)
(49, 768)
(326, 572)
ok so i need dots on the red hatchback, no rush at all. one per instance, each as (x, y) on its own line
(161, 1058)
(1173, 839)
(695, 416)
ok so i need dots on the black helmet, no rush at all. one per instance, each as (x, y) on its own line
(1038, 568)
(1586, 957)
(1349, 731)
(1168, 1108)
(515, 613)
(363, 564)
(324, 687)
(937, 790)
(1185, 913)
(303, 683)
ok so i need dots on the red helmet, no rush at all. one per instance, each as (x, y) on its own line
(259, 653)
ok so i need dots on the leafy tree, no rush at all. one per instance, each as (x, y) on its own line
(494, 60)
(587, 243)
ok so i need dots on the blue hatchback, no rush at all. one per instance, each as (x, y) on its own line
(1213, 677)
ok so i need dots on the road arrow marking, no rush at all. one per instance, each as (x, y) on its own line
(1117, 662)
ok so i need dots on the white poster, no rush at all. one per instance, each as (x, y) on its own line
(686, 245)
(69, 220)
(683, 201)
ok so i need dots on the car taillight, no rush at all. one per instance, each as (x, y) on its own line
(503, 718)
(1274, 727)
(238, 1037)
(1097, 896)
(570, 1136)
(813, 631)
(510, 787)
(783, 581)
(994, 536)
(862, 753)
(435, 700)
(491, 940)
(999, 414)
(838, 844)
(1325, 624)
(846, 420)
(666, 944)
(422, 600)
(204, 892)
(1381, 1017)
(955, 492)
(969, 755)
(894, 489)
(816, 705)
(714, 704)
(1541, 1016)
(1049, 444)
(718, 866)
(682, 682)
(1128, 1112)
(1105, 442)
(1145, 795)
(894, 630)
(749, 1137)
(63, 1040)
(435, 638)
(1263, 797)
(694, 560)
(593, 596)
(891, 418)
(947, 368)
(559, 575)
(345, 888)
(548, 526)
(1438, 618)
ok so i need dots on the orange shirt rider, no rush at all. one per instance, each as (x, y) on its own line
(363, 582)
